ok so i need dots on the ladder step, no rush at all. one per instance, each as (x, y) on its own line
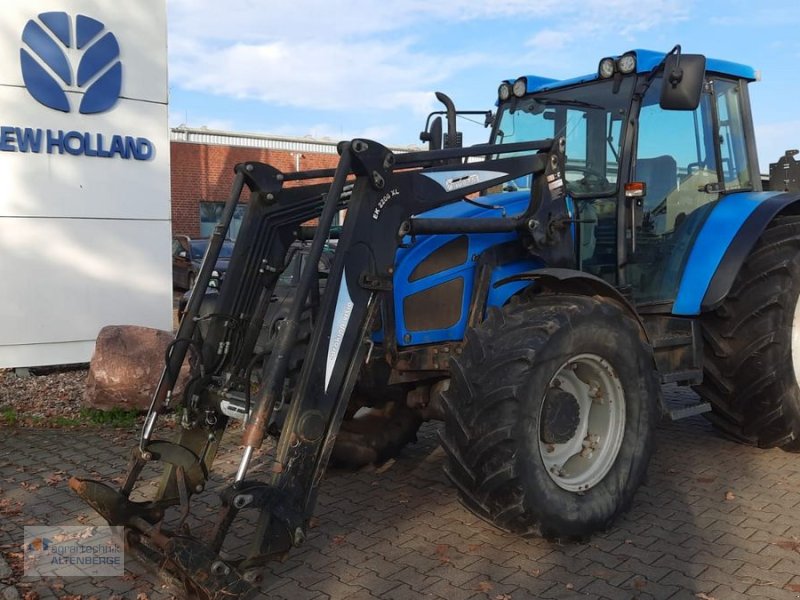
(689, 411)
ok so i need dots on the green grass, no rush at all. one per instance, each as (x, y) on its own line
(9, 415)
(116, 417)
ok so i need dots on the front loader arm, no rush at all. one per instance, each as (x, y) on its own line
(387, 192)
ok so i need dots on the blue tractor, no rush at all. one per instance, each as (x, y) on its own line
(534, 292)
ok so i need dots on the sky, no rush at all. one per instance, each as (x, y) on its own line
(341, 69)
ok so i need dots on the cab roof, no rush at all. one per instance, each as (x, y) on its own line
(646, 61)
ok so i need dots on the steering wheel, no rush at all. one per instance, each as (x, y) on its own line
(592, 179)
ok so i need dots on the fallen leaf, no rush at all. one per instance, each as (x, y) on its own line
(793, 587)
(570, 586)
(441, 553)
(385, 466)
(503, 597)
(706, 479)
(704, 596)
(142, 596)
(484, 586)
(338, 540)
(473, 547)
(54, 479)
(729, 495)
(9, 508)
(640, 583)
(793, 545)
(313, 522)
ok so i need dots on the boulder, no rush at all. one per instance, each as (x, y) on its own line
(126, 366)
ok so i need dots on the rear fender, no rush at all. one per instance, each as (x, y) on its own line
(724, 243)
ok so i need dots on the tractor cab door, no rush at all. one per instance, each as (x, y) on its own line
(686, 159)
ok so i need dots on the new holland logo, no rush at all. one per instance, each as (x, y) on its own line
(50, 42)
(62, 61)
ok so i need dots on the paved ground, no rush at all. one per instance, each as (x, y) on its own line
(716, 520)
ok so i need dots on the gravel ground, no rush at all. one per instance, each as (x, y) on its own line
(47, 397)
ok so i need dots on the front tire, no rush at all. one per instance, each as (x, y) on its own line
(752, 360)
(550, 416)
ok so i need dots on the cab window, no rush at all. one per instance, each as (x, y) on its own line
(733, 149)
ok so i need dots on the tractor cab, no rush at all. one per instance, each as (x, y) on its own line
(653, 142)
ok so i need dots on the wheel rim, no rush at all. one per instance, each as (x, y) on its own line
(796, 342)
(580, 458)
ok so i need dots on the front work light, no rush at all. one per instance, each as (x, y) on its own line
(520, 87)
(606, 68)
(504, 92)
(627, 63)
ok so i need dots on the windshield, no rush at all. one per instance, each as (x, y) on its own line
(590, 117)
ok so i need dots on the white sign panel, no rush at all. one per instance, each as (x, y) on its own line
(84, 160)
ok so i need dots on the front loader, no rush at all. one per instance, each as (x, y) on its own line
(534, 292)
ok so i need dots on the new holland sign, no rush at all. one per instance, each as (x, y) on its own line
(16, 139)
(84, 159)
(45, 62)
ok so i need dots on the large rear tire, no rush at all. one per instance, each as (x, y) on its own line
(752, 360)
(550, 416)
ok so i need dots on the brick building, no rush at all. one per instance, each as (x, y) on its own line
(202, 170)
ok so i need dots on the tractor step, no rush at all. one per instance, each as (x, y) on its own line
(689, 411)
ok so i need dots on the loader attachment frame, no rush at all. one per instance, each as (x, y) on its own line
(382, 192)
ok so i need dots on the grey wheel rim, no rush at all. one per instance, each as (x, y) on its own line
(580, 462)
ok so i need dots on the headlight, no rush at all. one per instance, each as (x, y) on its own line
(520, 87)
(627, 63)
(504, 92)
(606, 68)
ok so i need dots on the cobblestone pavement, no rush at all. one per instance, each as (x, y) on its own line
(715, 520)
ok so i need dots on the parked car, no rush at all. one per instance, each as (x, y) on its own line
(187, 256)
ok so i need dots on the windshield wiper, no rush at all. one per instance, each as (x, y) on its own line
(566, 102)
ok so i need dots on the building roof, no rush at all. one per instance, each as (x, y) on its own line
(203, 135)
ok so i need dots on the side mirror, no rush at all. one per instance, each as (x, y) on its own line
(683, 81)
(434, 135)
(435, 139)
